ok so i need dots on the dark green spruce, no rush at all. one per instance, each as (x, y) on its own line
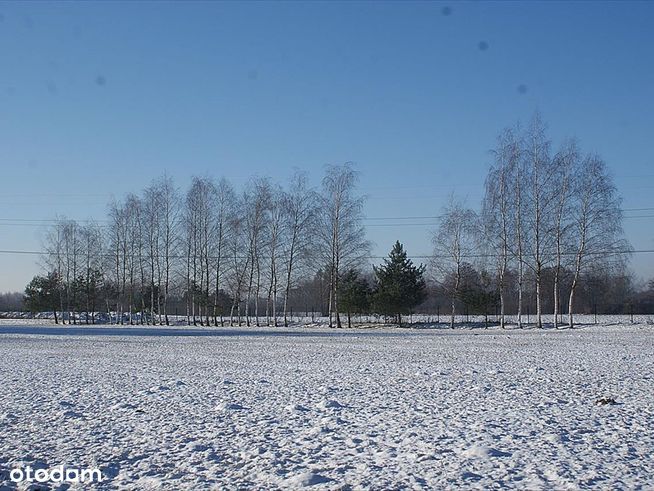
(43, 294)
(400, 285)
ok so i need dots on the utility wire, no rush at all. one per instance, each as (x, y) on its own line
(423, 224)
(48, 221)
(418, 256)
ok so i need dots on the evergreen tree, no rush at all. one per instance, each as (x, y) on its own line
(354, 294)
(42, 293)
(477, 291)
(92, 292)
(400, 284)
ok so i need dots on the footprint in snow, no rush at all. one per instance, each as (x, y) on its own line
(158, 388)
(470, 476)
(196, 447)
(123, 405)
(110, 470)
(230, 406)
(554, 438)
(330, 404)
(353, 441)
(6, 417)
(306, 479)
(36, 463)
(296, 407)
(483, 452)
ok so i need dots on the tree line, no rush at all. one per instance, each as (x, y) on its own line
(226, 254)
(544, 212)
(549, 228)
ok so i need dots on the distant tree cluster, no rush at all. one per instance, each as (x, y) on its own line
(548, 239)
(11, 302)
(548, 219)
(398, 288)
(221, 252)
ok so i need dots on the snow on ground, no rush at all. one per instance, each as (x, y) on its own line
(332, 409)
(416, 320)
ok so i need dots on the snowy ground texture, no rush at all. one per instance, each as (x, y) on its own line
(333, 409)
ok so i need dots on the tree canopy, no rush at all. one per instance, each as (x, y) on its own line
(42, 293)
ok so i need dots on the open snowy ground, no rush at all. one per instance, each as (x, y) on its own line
(332, 409)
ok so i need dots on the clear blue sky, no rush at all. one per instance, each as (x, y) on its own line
(98, 98)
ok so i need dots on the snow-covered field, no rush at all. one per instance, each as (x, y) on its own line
(417, 320)
(332, 409)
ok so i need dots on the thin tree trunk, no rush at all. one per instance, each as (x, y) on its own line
(538, 297)
(556, 295)
(570, 304)
(575, 279)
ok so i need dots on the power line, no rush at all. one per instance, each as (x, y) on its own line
(54, 195)
(49, 221)
(401, 224)
(418, 256)
(423, 224)
(432, 217)
(405, 218)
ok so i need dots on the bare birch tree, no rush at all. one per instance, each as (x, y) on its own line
(497, 210)
(199, 245)
(565, 161)
(597, 221)
(540, 180)
(53, 260)
(223, 216)
(133, 250)
(150, 228)
(92, 257)
(116, 232)
(256, 202)
(168, 204)
(301, 212)
(342, 235)
(454, 242)
(71, 252)
(274, 243)
(239, 260)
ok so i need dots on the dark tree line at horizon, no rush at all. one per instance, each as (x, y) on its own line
(548, 239)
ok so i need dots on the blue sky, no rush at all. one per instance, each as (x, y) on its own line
(98, 98)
